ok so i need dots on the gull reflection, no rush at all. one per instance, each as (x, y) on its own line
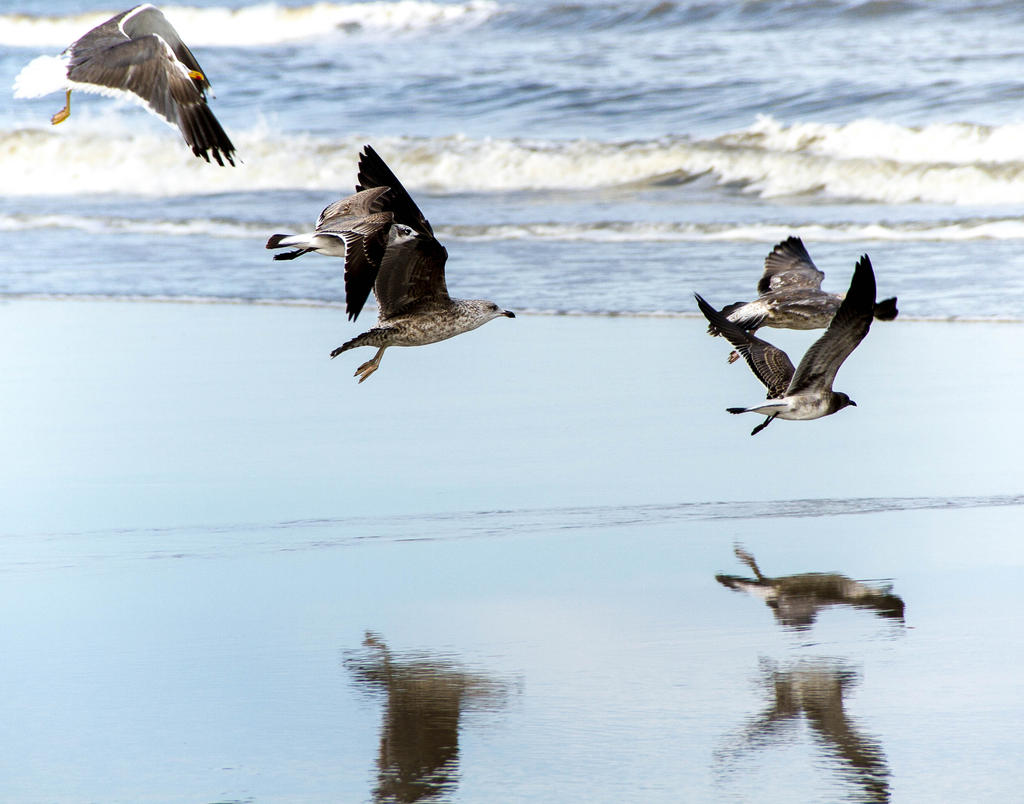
(419, 744)
(813, 691)
(797, 599)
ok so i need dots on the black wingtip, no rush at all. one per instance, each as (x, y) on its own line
(703, 305)
(736, 410)
(860, 298)
(886, 309)
(353, 309)
(716, 320)
(792, 246)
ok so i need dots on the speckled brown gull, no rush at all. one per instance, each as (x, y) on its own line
(389, 247)
(790, 295)
(136, 54)
(805, 393)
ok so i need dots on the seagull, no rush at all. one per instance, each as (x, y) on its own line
(136, 54)
(790, 295)
(389, 247)
(805, 393)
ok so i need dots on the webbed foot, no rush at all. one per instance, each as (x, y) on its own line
(64, 113)
(366, 369)
(763, 424)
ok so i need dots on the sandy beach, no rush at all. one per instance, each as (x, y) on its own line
(217, 545)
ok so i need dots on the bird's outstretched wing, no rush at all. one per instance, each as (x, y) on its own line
(147, 20)
(366, 242)
(789, 266)
(817, 369)
(359, 205)
(373, 172)
(770, 364)
(411, 274)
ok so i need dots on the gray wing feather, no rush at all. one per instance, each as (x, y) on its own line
(360, 205)
(770, 364)
(365, 245)
(787, 266)
(818, 368)
(147, 20)
(411, 273)
(143, 67)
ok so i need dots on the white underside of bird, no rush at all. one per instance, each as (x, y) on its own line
(795, 407)
(330, 245)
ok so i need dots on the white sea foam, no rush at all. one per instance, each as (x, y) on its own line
(263, 24)
(938, 143)
(93, 156)
(596, 232)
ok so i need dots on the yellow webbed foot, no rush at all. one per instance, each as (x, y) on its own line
(64, 113)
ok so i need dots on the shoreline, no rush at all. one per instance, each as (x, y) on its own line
(318, 304)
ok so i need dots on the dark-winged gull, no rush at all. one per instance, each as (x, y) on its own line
(807, 392)
(389, 247)
(136, 54)
(354, 227)
(790, 295)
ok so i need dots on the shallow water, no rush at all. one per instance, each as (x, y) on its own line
(602, 664)
(231, 574)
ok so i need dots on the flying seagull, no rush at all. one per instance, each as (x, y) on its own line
(805, 393)
(390, 248)
(138, 55)
(790, 295)
(355, 227)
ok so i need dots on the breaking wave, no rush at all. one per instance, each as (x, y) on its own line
(590, 232)
(865, 160)
(263, 24)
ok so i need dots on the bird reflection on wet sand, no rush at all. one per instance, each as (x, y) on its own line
(426, 696)
(813, 690)
(797, 599)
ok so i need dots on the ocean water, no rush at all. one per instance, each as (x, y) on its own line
(594, 156)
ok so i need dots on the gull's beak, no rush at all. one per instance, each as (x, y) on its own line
(853, 403)
(508, 314)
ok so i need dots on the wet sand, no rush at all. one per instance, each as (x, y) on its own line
(157, 415)
(229, 571)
